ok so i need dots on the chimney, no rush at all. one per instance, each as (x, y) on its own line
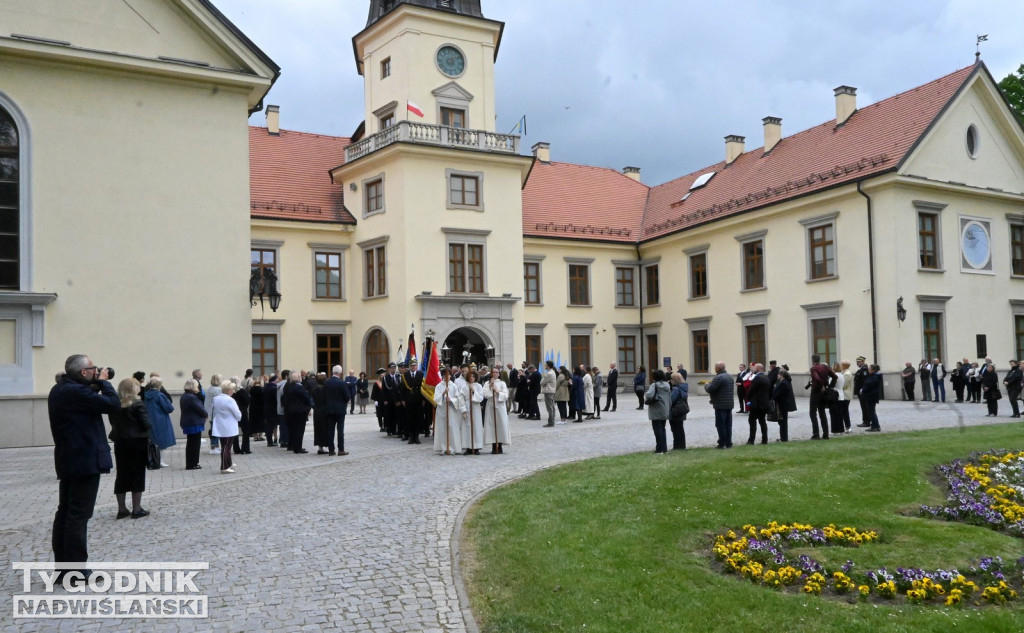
(274, 120)
(632, 172)
(772, 132)
(542, 151)
(734, 145)
(846, 103)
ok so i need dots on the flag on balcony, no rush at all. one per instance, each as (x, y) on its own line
(415, 109)
(520, 127)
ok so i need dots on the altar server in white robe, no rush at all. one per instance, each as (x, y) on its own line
(588, 394)
(496, 431)
(450, 399)
(472, 420)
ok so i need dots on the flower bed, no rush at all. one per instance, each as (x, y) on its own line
(758, 555)
(986, 489)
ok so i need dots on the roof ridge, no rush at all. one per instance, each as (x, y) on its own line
(317, 134)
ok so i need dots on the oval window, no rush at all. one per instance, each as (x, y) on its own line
(972, 141)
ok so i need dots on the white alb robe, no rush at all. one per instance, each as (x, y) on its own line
(495, 414)
(472, 420)
(450, 399)
(588, 394)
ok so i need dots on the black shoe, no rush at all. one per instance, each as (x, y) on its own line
(138, 514)
(750, 442)
(874, 430)
(322, 452)
(815, 437)
(123, 513)
(863, 425)
(271, 444)
(301, 451)
(197, 467)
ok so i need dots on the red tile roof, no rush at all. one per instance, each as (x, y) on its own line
(591, 203)
(569, 201)
(289, 180)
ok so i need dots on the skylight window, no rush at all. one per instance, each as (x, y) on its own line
(685, 196)
(702, 180)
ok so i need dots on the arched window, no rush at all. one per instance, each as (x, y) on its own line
(10, 215)
(378, 352)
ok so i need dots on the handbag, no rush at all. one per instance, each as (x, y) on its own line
(679, 409)
(773, 412)
(830, 396)
(153, 457)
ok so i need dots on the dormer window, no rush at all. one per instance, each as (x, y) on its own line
(446, 4)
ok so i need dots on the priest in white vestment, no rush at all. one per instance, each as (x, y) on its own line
(450, 399)
(496, 432)
(588, 394)
(472, 420)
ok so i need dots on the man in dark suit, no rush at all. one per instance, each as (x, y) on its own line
(336, 399)
(513, 385)
(773, 373)
(611, 383)
(409, 388)
(80, 454)
(389, 386)
(533, 407)
(350, 382)
(757, 404)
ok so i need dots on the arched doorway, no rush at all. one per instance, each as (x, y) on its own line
(378, 351)
(467, 346)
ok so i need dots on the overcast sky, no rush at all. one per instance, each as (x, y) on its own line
(655, 84)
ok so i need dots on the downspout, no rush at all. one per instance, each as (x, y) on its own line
(642, 343)
(871, 275)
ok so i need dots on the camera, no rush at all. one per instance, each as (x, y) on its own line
(109, 370)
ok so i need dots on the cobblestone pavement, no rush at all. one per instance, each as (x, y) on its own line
(352, 544)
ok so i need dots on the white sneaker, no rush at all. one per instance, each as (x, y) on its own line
(163, 465)
(214, 451)
(227, 470)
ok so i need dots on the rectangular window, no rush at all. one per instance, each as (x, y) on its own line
(264, 354)
(932, 329)
(653, 361)
(701, 351)
(329, 352)
(624, 293)
(466, 268)
(1017, 249)
(263, 259)
(823, 336)
(385, 68)
(533, 350)
(756, 348)
(1018, 328)
(753, 265)
(627, 354)
(387, 120)
(579, 284)
(452, 117)
(579, 348)
(374, 196)
(531, 283)
(376, 271)
(822, 252)
(927, 240)
(464, 190)
(652, 294)
(328, 275)
(698, 276)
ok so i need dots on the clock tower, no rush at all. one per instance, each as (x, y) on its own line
(436, 191)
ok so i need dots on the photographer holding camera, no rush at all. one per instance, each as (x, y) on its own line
(80, 452)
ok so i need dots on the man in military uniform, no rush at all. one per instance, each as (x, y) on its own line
(412, 401)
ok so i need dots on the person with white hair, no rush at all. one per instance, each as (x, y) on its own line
(226, 416)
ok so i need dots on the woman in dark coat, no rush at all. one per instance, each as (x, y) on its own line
(379, 397)
(638, 385)
(193, 421)
(320, 439)
(129, 429)
(256, 409)
(576, 396)
(660, 396)
(680, 391)
(297, 403)
(362, 392)
(990, 390)
(785, 401)
(243, 400)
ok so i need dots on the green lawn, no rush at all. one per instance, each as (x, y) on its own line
(623, 544)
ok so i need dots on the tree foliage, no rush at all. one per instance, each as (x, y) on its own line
(1013, 88)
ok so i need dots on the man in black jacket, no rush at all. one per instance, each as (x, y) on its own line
(611, 384)
(80, 453)
(409, 387)
(532, 405)
(757, 404)
(336, 397)
(858, 383)
(1013, 386)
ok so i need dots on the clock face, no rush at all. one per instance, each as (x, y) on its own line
(975, 245)
(450, 61)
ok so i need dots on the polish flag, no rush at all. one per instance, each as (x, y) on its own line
(415, 109)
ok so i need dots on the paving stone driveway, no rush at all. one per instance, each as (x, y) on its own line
(352, 544)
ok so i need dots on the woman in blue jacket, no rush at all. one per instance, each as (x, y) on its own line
(638, 386)
(159, 408)
(193, 422)
(579, 400)
(680, 391)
